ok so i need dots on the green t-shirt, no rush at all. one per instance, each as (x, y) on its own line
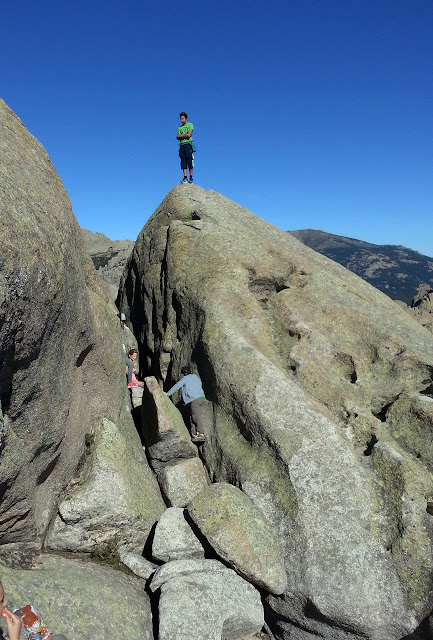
(183, 130)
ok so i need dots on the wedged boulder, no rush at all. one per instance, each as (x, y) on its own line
(182, 481)
(136, 563)
(292, 349)
(136, 397)
(204, 600)
(241, 535)
(61, 363)
(164, 431)
(82, 599)
(174, 538)
(117, 502)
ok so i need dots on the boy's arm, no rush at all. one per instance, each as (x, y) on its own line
(181, 136)
(176, 387)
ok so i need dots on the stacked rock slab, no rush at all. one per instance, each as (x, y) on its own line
(204, 600)
(303, 362)
(174, 538)
(181, 475)
(81, 599)
(62, 369)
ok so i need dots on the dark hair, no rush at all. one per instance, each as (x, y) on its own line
(131, 351)
(186, 370)
(184, 114)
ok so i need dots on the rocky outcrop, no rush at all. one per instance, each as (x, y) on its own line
(62, 369)
(174, 538)
(303, 362)
(164, 431)
(240, 534)
(422, 306)
(109, 257)
(204, 600)
(108, 504)
(180, 482)
(81, 599)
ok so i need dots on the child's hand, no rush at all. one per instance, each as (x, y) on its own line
(13, 624)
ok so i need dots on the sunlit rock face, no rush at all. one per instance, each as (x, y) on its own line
(311, 373)
(62, 369)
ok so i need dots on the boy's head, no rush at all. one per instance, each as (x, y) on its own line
(132, 354)
(186, 370)
(183, 117)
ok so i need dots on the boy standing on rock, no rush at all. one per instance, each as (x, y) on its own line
(192, 395)
(184, 135)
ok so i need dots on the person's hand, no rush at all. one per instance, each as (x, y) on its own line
(13, 624)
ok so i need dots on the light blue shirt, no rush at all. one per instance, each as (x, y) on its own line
(191, 388)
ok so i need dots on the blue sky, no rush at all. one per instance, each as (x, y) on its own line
(310, 113)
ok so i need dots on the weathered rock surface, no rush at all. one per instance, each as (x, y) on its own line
(174, 538)
(108, 256)
(303, 362)
(164, 431)
(180, 482)
(240, 534)
(61, 364)
(136, 563)
(204, 600)
(119, 499)
(422, 306)
(82, 599)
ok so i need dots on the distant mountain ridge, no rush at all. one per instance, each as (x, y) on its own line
(393, 269)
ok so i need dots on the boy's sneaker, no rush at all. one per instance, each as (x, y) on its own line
(184, 180)
(191, 180)
(132, 384)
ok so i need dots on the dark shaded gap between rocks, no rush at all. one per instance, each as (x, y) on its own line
(381, 415)
(83, 355)
(205, 370)
(424, 630)
(370, 444)
(163, 285)
(277, 621)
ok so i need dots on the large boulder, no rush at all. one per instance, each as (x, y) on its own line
(174, 538)
(240, 534)
(108, 256)
(81, 599)
(62, 368)
(180, 482)
(204, 600)
(109, 504)
(164, 431)
(302, 361)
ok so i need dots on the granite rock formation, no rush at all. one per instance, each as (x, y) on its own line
(108, 256)
(422, 306)
(204, 600)
(82, 599)
(303, 363)
(62, 369)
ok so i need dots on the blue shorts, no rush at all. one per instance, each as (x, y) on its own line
(185, 155)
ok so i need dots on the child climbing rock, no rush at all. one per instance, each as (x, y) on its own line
(192, 396)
